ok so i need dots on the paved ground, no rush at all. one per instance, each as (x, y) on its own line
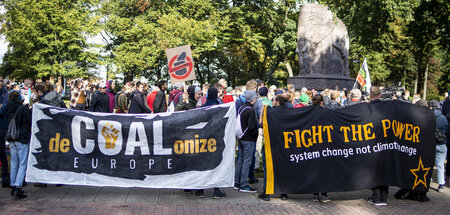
(97, 200)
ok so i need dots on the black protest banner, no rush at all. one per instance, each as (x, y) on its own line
(192, 149)
(313, 149)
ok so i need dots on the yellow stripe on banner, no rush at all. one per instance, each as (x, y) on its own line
(269, 164)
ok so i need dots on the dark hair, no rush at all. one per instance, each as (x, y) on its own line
(160, 84)
(138, 84)
(317, 99)
(14, 96)
(40, 87)
(282, 99)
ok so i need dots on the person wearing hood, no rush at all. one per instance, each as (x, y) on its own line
(100, 100)
(138, 100)
(441, 148)
(211, 97)
(110, 85)
(190, 98)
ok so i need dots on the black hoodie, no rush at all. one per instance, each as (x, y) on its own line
(138, 103)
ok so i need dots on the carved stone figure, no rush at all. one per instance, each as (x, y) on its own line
(322, 48)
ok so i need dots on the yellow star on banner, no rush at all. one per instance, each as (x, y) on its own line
(420, 169)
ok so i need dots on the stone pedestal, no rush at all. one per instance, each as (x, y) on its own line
(323, 49)
(321, 82)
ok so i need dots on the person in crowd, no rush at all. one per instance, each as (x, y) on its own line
(379, 193)
(100, 100)
(211, 100)
(110, 86)
(212, 97)
(441, 148)
(304, 100)
(416, 98)
(78, 95)
(19, 147)
(123, 99)
(4, 95)
(441, 103)
(355, 96)
(228, 96)
(205, 88)
(246, 145)
(333, 103)
(176, 95)
(446, 113)
(151, 97)
(264, 101)
(91, 89)
(51, 97)
(190, 99)
(404, 193)
(138, 100)
(220, 93)
(160, 104)
(318, 100)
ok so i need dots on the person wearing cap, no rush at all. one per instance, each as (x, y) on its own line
(441, 148)
(355, 96)
(100, 100)
(176, 95)
(304, 100)
(190, 98)
(246, 145)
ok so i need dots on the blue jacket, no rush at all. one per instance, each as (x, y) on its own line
(441, 124)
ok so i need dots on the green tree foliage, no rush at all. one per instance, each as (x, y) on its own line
(48, 38)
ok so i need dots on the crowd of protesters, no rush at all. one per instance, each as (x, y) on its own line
(16, 101)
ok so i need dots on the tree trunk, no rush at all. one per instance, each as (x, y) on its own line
(416, 81)
(425, 83)
(289, 68)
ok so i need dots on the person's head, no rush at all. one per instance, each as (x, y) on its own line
(212, 93)
(16, 87)
(433, 104)
(290, 88)
(1, 84)
(422, 103)
(223, 83)
(219, 88)
(40, 90)
(250, 96)
(102, 87)
(375, 93)
(291, 96)
(407, 95)
(140, 87)
(178, 85)
(162, 85)
(194, 92)
(355, 95)
(205, 88)
(251, 85)
(317, 100)
(446, 94)
(335, 95)
(281, 100)
(304, 89)
(263, 91)
(304, 99)
(14, 96)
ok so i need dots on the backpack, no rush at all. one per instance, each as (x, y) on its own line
(440, 137)
(13, 132)
(238, 129)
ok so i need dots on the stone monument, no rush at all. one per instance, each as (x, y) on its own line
(322, 47)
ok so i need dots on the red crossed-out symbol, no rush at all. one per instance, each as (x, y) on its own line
(180, 66)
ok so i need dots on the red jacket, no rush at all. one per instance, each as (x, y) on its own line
(151, 99)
